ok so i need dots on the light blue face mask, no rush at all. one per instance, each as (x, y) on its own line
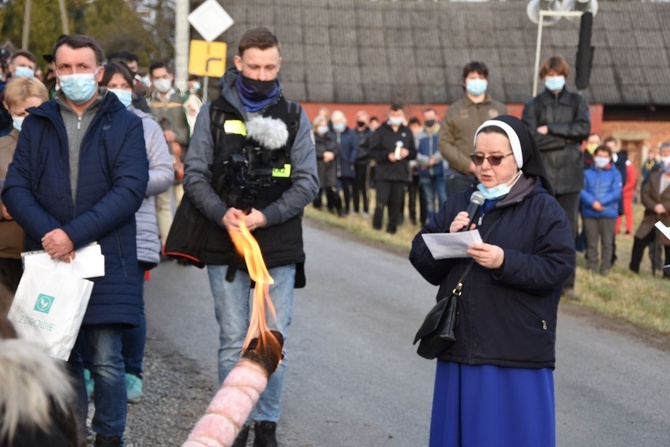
(79, 87)
(17, 123)
(555, 83)
(24, 71)
(339, 127)
(499, 190)
(476, 87)
(125, 96)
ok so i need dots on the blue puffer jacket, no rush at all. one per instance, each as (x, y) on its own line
(507, 316)
(603, 185)
(113, 175)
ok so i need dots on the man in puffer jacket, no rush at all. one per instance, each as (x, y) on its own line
(600, 208)
(78, 176)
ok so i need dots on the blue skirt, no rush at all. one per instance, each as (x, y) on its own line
(483, 406)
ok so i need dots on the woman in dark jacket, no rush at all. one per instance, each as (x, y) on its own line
(494, 385)
(327, 152)
(560, 120)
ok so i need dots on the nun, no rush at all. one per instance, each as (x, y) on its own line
(495, 384)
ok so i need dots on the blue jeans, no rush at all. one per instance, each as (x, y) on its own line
(108, 372)
(233, 310)
(433, 186)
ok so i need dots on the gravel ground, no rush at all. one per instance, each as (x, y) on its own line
(174, 399)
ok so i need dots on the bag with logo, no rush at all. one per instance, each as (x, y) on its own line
(49, 307)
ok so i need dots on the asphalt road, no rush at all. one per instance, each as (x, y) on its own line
(354, 379)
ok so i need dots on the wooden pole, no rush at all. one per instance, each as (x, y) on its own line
(26, 24)
(65, 24)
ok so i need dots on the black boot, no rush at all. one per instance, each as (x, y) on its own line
(264, 434)
(107, 441)
(241, 440)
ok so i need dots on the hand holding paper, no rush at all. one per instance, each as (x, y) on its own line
(451, 245)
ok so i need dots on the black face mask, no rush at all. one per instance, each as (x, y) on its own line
(260, 89)
(361, 124)
(429, 123)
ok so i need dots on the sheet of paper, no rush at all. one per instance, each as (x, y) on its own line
(663, 229)
(451, 245)
(88, 262)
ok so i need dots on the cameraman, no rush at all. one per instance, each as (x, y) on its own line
(269, 196)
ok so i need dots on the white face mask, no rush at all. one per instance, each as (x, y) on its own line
(601, 162)
(665, 161)
(163, 85)
(395, 121)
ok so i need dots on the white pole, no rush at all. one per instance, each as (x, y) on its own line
(543, 14)
(182, 40)
(27, 12)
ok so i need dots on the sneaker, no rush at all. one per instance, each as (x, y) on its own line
(264, 434)
(107, 441)
(88, 380)
(241, 440)
(133, 388)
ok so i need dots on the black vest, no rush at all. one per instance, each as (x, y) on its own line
(280, 244)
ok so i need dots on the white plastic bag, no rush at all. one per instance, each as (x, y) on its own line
(49, 307)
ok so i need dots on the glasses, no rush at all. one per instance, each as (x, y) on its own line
(494, 160)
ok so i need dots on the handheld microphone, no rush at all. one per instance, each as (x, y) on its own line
(476, 200)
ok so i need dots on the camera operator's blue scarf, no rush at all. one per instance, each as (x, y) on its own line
(254, 101)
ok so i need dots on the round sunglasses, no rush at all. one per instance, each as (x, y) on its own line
(494, 160)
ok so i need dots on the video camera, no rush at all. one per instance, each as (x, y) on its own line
(5, 56)
(248, 172)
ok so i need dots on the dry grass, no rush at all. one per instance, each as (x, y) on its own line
(641, 299)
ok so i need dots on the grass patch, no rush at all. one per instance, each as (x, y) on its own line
(643, 299)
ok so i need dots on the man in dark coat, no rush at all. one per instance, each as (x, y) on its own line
(79, 174)
(560, 120)
(392, 147)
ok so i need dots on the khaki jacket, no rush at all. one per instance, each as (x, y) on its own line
(650, 197)
(460, 122)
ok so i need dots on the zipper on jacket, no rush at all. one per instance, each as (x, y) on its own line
(545, 326)
(79, 122)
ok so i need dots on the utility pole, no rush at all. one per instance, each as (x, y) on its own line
(26, 24)
(65, 24)
(182, 39)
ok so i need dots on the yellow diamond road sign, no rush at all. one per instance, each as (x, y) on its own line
(207, 58)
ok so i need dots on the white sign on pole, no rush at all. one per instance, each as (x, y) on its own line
(210, 20)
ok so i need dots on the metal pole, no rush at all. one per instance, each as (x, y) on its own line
(26, 24)
(540, 23)
(537, 52)
(181, 44)
(65, 23)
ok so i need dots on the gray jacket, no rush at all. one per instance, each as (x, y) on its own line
(200, 156)
(161, 176)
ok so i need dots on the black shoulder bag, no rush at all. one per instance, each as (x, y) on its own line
(437, 331)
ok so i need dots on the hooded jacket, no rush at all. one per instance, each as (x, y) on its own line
(507, 316)
(113, 176)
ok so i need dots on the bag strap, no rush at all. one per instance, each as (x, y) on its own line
(459, 286)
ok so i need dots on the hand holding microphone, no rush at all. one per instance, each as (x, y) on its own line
(464, 220)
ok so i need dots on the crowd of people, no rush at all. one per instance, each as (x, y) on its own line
(98, 151)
